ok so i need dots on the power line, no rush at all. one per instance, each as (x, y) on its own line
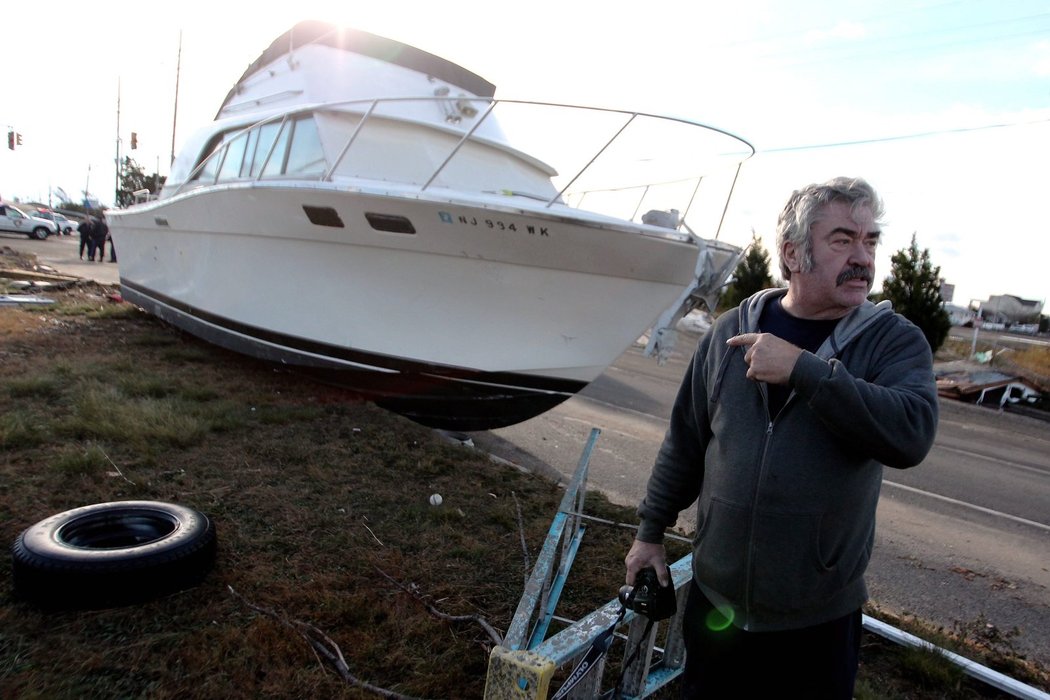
(902, 137)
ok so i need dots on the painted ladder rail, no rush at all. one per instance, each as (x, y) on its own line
(524, 666)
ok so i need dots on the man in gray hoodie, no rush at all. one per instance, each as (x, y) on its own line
(786, 415)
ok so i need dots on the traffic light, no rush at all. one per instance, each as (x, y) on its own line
(18, 139)
(11, 140)
(134, 140)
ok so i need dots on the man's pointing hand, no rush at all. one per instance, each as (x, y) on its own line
(769, 358)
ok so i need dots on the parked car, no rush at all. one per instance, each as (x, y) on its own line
(14, 220)
(69, 226)
(63, 224)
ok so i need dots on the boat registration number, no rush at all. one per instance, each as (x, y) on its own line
(494, 224)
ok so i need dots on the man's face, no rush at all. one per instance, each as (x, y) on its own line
(844, 245)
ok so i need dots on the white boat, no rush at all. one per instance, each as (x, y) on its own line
(366, 212)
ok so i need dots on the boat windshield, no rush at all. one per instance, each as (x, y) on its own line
(273, 149)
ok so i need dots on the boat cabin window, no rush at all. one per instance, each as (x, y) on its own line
(305, 156)
(289, 147)
(263, 140)
(297, 151)
(275, 164)
(207, 172)
(231, 162)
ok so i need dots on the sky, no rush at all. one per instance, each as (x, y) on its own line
(943, 105)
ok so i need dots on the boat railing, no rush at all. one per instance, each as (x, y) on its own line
(610, 161)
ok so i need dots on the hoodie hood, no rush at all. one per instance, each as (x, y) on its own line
(849, 327)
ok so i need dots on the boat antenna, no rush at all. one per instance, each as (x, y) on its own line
(175, 111)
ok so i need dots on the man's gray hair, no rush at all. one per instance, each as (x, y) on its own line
(804, 207)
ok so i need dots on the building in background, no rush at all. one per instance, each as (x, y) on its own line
(960, 315)
(1009, 310)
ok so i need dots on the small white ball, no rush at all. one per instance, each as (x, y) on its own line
(435, 499)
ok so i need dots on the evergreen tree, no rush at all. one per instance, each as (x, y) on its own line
(132, 179)
(750, 276)
(914, 288)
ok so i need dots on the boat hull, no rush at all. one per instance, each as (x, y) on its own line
(436, 396)
(459, 314)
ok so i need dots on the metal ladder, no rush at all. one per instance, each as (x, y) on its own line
(524, 666)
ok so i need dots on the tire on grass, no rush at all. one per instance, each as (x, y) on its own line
(112, 554)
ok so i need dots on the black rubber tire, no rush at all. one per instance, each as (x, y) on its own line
(112, 554)
(39, 233)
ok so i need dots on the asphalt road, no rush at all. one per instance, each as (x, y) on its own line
(63, 254)
(1000, 339)
(963, 540)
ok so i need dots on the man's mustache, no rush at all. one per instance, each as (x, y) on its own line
(853, 272)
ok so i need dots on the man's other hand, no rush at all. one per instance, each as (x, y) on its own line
(645, 554)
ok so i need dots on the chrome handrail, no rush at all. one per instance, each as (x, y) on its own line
(369, 110)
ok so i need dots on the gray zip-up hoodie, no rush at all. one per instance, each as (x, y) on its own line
(786, 517)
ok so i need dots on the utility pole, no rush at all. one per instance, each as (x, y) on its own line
(995, 339)
(175, 111)
(116, 174)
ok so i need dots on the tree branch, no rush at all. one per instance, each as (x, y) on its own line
(495, 636)
(324, 647)
(521, 534)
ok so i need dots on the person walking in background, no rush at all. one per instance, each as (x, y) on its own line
(786, 415)
(87, 230)
(109, 238)
(99, 235)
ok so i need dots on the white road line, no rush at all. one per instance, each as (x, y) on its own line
(964, 504)
(986, 458)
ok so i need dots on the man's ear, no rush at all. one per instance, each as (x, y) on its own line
(791, 257)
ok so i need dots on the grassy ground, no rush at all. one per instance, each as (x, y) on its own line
(317, 498)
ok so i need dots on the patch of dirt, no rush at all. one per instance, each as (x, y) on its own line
(11, 259)
(16, 266)
(14, 323)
